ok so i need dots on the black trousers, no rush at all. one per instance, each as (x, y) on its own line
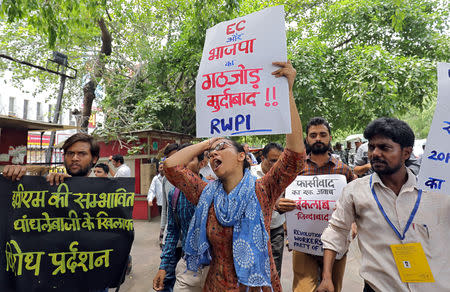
(367, 288)
(160, 210)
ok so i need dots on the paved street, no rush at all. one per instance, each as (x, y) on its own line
(146, 253)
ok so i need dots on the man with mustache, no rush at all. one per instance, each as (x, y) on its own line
(319, 161)
(363, 167)
(81, 153)
(391, 214)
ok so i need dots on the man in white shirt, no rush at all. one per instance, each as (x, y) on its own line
(270, 155)
(390, 211)
(156, 189)
(122, 170)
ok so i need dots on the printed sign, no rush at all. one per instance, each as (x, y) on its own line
(236, 94)
(73, 237)
(36, 140)
(316, 197)
(434, 172)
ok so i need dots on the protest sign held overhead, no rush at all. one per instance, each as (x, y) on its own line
(72, 237)
(434, 172)
(315, 197)
(235, 91)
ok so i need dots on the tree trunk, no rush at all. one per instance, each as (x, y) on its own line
(97, 72)
(89, 95)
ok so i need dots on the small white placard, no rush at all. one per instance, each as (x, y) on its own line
(316, 197)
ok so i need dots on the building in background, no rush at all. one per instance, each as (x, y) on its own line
(29, 104)
(25, 121)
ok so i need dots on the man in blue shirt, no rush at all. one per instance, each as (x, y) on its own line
(179, 215)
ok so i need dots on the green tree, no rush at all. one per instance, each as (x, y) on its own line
(356, 60)
(69, 25)
(420, 120)
(365, 59)
(57, 21)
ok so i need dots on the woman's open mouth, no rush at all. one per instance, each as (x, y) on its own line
(216, 163)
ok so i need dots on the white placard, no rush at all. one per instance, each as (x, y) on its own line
(434, 172)
(236, 94)
(316, 197)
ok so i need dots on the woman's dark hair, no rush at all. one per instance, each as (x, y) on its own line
(82, 137)
(239, 148)
(200, 157)
(392, 128)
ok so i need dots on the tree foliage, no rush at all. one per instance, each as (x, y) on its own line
(365, 59)
(56, 20)
(356, 59)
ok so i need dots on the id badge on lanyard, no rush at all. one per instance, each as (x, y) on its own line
(410, 259)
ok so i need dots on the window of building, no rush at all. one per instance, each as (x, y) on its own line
(12, 101)
(49, 113)
(25, 109)
(38, 111)
(71, 119)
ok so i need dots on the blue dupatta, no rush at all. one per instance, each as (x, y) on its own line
(240, 209)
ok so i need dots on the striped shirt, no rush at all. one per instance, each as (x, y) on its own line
(333, 166)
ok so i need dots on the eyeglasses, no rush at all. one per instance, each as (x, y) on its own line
(219, 146)
(80, 154)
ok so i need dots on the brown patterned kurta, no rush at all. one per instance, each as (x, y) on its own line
(222, 276)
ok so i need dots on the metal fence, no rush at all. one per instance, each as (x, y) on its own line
(37, 156)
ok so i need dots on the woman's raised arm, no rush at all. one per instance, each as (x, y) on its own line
(185, 155)
(294, 141)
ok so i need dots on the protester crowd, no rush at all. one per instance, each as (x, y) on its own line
(223, 214)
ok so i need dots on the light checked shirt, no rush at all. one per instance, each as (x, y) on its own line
(333, 166)
(430, 227)
(166, 187)
(175, 231)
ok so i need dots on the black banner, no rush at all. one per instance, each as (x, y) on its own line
(73, 237)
